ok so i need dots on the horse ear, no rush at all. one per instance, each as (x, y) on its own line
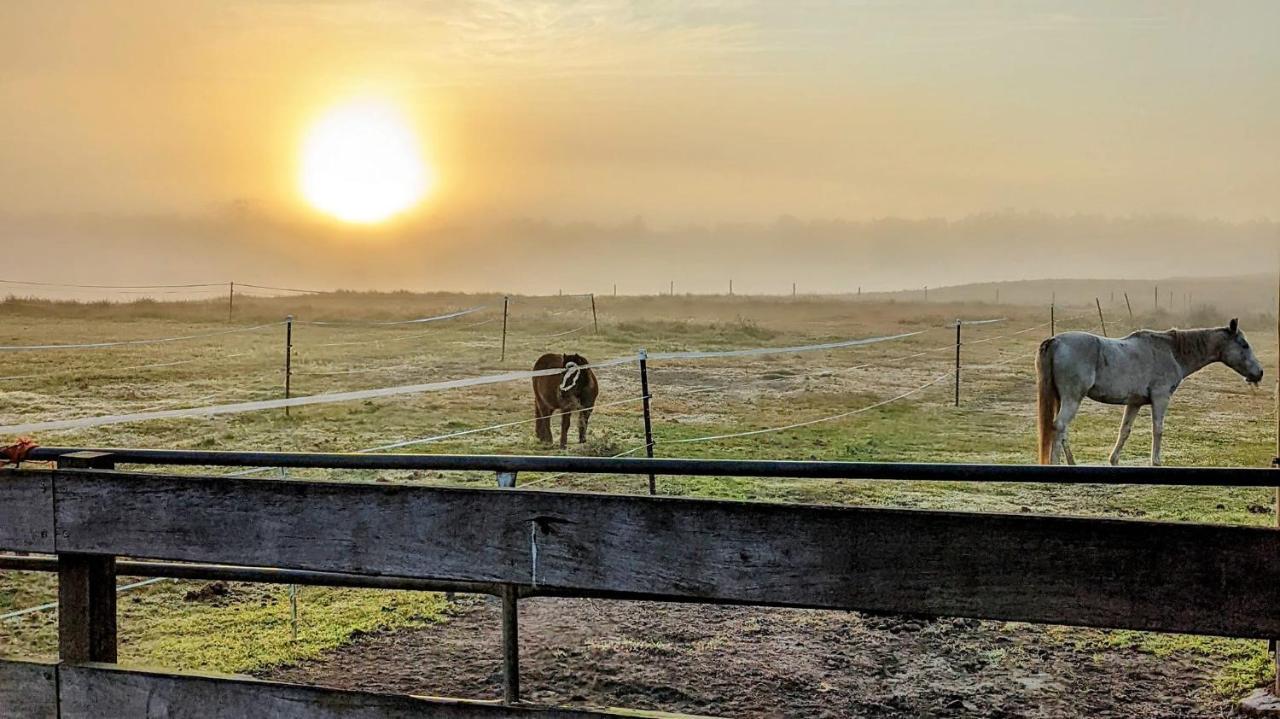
(1234, 327)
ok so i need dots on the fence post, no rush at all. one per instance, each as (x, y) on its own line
(594, 319)
(1053, 324)
(1128, 306)
(288, 357)
(231, 300)
(793, 289)
(958, 325)
(1101, 319)
(505, 299)
(1275, 463)
(86, 589)
(510, 644)
(648, 417)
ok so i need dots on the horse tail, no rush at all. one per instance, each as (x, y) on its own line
(1047, 407)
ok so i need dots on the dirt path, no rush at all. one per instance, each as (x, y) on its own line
(750, 662)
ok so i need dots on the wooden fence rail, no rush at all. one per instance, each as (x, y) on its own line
(1128, 574)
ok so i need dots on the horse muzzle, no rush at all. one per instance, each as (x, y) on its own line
(1254, 378)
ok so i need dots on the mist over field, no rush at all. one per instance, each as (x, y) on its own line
(539, 256)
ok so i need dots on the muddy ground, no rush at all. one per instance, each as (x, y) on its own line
(752, 662)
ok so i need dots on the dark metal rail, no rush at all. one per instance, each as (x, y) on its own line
(1184, 476)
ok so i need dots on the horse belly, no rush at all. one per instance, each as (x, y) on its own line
(1117, 395)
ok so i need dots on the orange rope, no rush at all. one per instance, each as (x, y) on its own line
(16, 453)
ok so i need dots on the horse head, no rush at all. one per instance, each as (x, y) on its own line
(1238, 355)
(572, 364)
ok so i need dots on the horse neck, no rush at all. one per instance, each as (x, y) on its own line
(1195, 349)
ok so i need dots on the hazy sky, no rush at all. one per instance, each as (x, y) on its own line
(678, 112)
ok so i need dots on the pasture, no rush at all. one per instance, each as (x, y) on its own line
(890, 401)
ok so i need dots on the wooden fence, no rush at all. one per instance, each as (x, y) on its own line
(1161, 576)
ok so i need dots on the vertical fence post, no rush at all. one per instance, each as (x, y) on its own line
(293, 610)
(288, 357)
(1053, 323)
(1101, 319)
(731, 288)
(510, 644)
(615, 289)
(1156, 306)
(1129, 307)
(959, 324)
(793, 289)
(505, 300)
(648, 417)
(595, 321)
(1275, 464)
(86, 589)
(231, 300)
(672, 291)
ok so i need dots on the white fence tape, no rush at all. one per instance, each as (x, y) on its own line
(783, 428)
(328, 398)
(389, 323)
(122, 343)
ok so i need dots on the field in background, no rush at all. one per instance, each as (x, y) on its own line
(1215, 419)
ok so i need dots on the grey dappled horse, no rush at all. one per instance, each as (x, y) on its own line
(1143, 368)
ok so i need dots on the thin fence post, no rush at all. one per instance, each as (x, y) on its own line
(86, 589)
(1053, 324)
(510, 644)
(959, 324)
(293, 610)
(231, 300)
(615, 289)
(793, 289)
(1101, 319)
(1156, 306)
(594, 319)
(731, 288)
(672, 291)
(648, 417)
(1129, 307)
(288, 357)
(1275, 463)
(505, 300)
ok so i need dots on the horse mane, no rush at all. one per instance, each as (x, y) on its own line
(1201, 344)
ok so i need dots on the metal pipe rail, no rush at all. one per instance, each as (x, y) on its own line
(932, 472)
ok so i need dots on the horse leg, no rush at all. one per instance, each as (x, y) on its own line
(584, 416)
(1158, 407)
(541, 422)
(1126, 424)
(564, 428)
(1066, 413)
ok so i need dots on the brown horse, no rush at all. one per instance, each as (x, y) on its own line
(573, 390)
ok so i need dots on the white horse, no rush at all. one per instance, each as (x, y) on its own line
(1143, 368)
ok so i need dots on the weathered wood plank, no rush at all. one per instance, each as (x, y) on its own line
(86, 608)
(26, 511)
(1092, 572)
(110, 692)
(28, 690)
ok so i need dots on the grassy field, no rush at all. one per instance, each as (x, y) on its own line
(1215, 420)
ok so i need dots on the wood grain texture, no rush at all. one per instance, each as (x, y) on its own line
(86, 608)
(1093, 572)
(26, 511)
(28, 690)
(109, 692)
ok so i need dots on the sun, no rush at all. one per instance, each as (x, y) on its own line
(361, 163)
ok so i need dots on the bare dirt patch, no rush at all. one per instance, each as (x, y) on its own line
(751, 662)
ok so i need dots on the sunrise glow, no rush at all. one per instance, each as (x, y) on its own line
(362, 163)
